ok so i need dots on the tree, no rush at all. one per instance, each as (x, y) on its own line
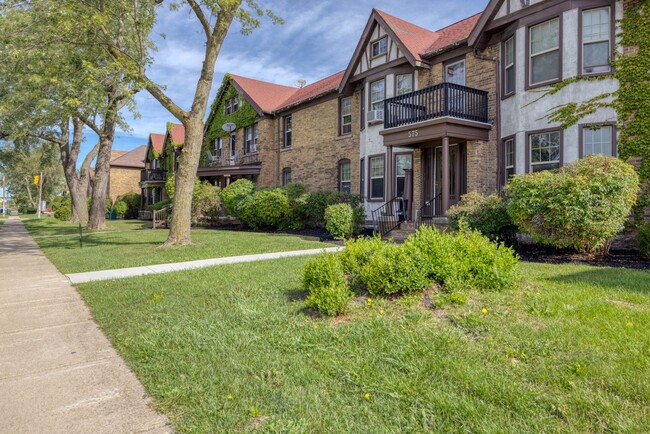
(58, 78)
(215, 18)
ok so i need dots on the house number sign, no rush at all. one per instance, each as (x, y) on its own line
(413, 134)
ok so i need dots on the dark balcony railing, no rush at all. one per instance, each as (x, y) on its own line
(236, 160)
(153, 175)
(444, 99)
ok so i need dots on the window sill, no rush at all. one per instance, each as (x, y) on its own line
(543, 84)
(252, 153)
(596, 74)
(376, 200)
(288, 148)
(344, 136)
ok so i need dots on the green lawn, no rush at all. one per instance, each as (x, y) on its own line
(126, 244)
(232, 349)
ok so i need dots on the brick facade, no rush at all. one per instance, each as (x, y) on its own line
(123, 180)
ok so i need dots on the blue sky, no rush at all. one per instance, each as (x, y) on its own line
(317, 40)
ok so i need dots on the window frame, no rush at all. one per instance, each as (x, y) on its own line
(612, 38)
(397, 76)
(362, 176)
(286, 171)
(395, 176)
(362, 109)
(377, 42)
(340, 165)
(530, 134)
(287, 133)
(218, 146)
(342, 123)
(372, 198)
(529, 67)
(370, 101)
(504, 158)
(581, 138)
(505, 67)
(231, 106)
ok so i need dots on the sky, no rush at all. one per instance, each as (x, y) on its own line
(316, 40)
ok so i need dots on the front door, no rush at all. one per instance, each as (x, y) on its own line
(432, 176)
(455, 170)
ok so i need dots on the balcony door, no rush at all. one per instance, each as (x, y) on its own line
(455, 73)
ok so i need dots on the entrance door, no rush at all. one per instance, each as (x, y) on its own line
(456, 173)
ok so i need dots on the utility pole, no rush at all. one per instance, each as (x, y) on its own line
(40, 195)
(4, 195)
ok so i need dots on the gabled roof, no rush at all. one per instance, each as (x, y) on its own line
(134, 158)
(176, 132)
(490, 11)
(314, 90)
(116, 153)
(414, 39)
(264, 96)
(157, 141)
(451, 35)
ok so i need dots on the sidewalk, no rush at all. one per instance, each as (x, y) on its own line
(58, 371)
(122, 273)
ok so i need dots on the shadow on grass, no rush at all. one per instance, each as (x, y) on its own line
(614, 278)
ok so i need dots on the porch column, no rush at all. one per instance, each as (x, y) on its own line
(445, 175)
(408, 192)
(388, 169)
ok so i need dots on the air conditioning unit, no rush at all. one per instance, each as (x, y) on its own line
(375, 117)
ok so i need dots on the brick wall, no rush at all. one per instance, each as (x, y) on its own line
(123, 180)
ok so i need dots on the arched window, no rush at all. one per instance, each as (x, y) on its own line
(286, 176)
(345, 176)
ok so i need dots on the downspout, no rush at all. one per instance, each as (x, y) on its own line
(497, 123)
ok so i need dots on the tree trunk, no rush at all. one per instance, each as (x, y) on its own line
(78, 190)
(97, 218)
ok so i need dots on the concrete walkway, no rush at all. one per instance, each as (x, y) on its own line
(121, 273)
(58, 371)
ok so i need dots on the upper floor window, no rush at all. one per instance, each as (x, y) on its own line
(218, 146)
(286, 176)
(287, 131)
(545, 52)
(508, 159)
(346, 115)
(598, 139)
(404, 84)
(544, 151)
(596, 40)
(251, 138)
(380, 47)
(377, 94)
(232, 104)
(345, 176)
(155, 164)
(362, 176)
(509, 66)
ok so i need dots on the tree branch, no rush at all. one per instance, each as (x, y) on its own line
(90, 124)
(202, 18)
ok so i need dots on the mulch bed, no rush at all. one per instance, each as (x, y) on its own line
(549, 255)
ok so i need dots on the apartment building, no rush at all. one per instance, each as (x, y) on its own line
(153, 176)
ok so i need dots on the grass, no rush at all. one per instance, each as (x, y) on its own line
(124, 245)
(232, 349)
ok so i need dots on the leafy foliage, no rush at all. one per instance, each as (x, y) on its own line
(644, 240)
(62, 209)
(580, 206)
(269, 209)
(206, 205)
(339, 220)
(329, 291)
(486, 214)
(234, 193)
(394, 269)
(120, 208)
(132, 201)
(318, 201)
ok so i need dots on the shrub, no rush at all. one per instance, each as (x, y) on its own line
(160, 205)
(486, 214)
(294, 191)
(329, 291)
(265, 209)
(206, 205)
(234, 193)
(120, 208)
(132, 201)
(339, 221)
(318, 201)
(394, 269)
(644, 239)
(356, 254)
(580, 206)
(63, 211)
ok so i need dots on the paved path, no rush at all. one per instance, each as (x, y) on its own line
(178, 266)
(58, 371)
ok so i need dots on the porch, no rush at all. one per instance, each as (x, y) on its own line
(222, 171)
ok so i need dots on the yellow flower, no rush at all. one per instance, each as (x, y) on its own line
(316, 326)
(369, 300)
(410, 331)
(381, 311)
(630, 324)
(367, 396)
(230, 397)
(484, 310)
(538, 293)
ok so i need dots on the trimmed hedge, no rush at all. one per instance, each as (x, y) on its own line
(339, 221)
(486, 214)
(644, 240)
(235, 192)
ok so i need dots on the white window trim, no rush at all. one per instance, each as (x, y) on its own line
(509, 65)
(550, 50)
(595, 41)
(372, 103)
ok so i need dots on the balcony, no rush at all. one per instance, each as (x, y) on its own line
(439, 101)
(153, 175)
(237, 164)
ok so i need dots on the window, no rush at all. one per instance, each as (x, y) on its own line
(362, 115)
(509, 66)
(596, 43)
(218, 145)
(380, 47)
(233, 140)
(545, 52)
(346, 115)
(286, 176)
(403, 162)
(232, 105)
(362, 176)
(251, 138)
(508, 159)
(377, 94)
(598, 139)
(287, 132)
(544, 151)
(404, 84)
(377, 177)
(345, 176)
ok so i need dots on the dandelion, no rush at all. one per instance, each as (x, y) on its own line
(381, 311)
(630, 324)
(367, 396)
(369, 300)
(410, 331)
(484, 310)
(315, 326)
(538, 293)
(230, 397)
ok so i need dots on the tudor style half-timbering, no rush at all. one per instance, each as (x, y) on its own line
(154, 174)
(541, 43)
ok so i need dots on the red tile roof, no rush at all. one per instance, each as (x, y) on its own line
(416, 39)
(157, 141)
(267, 96)
(116, 153)
(314, 90)
(457, 32)
(177, 133)
(134, 158)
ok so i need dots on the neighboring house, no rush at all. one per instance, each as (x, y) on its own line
(153, 176)
(124, 175)
(282, 135)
